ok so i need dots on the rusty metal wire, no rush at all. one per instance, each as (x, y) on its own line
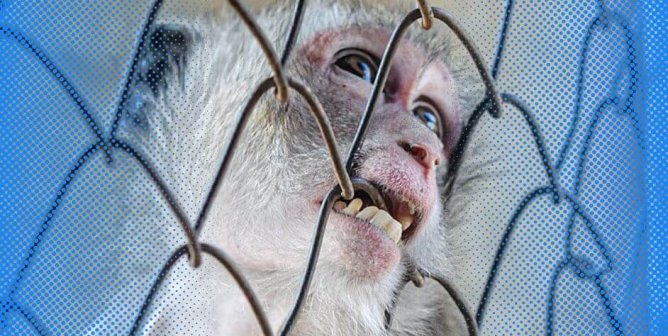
(427, 14)
(265, 45)
(323, 124)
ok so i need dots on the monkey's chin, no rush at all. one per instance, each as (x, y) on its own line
(361, 249)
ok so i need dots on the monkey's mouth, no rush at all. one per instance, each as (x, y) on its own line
(388, 211)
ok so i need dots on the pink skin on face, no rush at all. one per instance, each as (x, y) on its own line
(401, 153)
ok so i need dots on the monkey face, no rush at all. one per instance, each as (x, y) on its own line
(412, 134)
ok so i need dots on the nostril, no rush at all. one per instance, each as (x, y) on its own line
(421, 153)
(406, 146)
(418, 152)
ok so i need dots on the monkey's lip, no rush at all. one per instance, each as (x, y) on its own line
(371, 193)
(399, 206)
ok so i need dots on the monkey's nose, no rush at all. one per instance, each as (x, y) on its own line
(421, 153)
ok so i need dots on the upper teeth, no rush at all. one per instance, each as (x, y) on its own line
(380, 218)
(405, 221)
(353, 207)
(368, 213)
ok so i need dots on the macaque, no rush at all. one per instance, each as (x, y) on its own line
(192, 81)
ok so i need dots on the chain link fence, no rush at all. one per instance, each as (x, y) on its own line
(557, 244)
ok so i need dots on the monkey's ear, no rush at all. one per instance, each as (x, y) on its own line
(164, 57)
(161, 63)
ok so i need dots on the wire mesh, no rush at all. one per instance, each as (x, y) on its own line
(568, 167)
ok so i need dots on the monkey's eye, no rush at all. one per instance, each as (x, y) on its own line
(358, 63)
(429, 116)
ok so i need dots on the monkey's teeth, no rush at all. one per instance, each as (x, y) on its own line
(385, 222)
(405, 221)
(367, 214)
(339, 205)
(412, 209)
(379, 218)
(393, 230)
(353, 207)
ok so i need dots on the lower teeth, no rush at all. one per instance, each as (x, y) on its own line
(379, 218)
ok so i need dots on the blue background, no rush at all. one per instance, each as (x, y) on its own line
(63, 67)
